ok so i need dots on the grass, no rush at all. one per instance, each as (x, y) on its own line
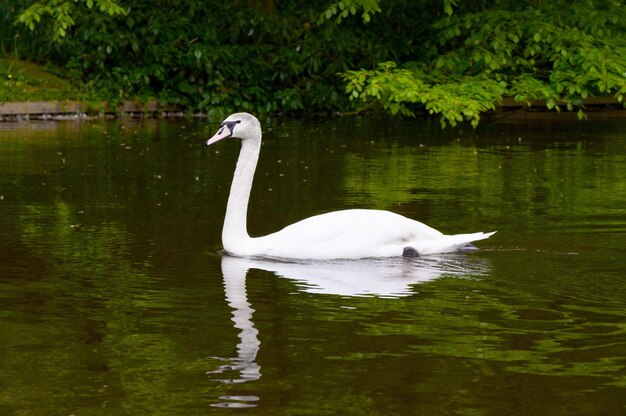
(26, 81)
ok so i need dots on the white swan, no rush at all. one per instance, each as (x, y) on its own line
(348, 234)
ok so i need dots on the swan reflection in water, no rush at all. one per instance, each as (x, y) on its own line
(384, 278)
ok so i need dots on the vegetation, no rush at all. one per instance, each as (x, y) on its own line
(442, 57)
(558, 52)
(23, 81)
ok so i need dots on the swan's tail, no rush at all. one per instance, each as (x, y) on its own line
(449, 243)
(468, 238)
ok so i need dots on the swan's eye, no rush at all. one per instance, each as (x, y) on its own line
(230, 125)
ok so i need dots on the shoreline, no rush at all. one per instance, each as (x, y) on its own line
(61, 110)
(80, 110)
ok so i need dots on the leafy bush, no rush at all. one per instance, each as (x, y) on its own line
(218, 57)
(558, 52)
(443, 57)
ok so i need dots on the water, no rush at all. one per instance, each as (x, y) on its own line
(114, 299)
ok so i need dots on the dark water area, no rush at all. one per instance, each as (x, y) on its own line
(116, 300)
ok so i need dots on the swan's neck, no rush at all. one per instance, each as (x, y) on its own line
(235, 231)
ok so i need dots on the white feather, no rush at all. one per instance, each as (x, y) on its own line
(349, 234)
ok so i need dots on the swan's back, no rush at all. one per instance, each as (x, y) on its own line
(355, 233)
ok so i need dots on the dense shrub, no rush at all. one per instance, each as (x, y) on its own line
(445, 57)
(557, 52)
(215, 56)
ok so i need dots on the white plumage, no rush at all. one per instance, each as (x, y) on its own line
(348, 234)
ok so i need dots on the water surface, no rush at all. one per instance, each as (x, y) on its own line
(115, 299)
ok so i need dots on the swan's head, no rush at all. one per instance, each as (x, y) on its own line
(239, 125)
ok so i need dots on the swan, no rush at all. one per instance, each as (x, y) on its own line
(346, 234)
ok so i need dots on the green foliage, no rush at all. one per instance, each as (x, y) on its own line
(225, 56)
(397, 88)
(15, 42)
(218, 58)
(446, 58)
(343, 8)
(557, 52)
(61, 12)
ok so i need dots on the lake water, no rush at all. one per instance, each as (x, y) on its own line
(115, 299)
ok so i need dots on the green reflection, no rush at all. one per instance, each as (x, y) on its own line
(112, 299)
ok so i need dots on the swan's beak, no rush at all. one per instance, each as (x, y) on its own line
(223, 133)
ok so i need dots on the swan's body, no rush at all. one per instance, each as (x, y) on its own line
(349, 234)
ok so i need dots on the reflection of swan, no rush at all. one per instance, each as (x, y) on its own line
(248, 347)
(365, 277)
(356, 233)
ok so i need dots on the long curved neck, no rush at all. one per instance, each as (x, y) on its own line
(235, 230)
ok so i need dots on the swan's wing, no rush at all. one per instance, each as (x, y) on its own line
(447, 243)
(347, 234)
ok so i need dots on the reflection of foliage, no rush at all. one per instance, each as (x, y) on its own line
(455, 336)
(111, 302)
(535, 336)
(550, 182)
(87, 320)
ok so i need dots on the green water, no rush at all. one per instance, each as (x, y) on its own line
(115, 300)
